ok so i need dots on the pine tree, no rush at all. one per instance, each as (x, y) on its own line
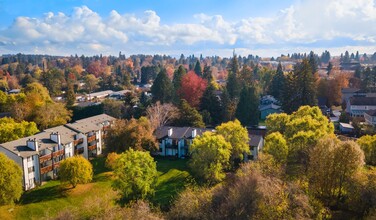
(232, 86)
(211, 104)
(178, 75)
(329, 68)
(198, 69)
(278, 83)
(313, 62)
(227, 107)
(71, 97)
(247, 110)
(207, 74)
(189, 116)
(162, 88)
(305, 85)
(289, 95)
(233, 66)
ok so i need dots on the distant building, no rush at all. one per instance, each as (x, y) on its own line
(346, 128)
(370, 117)
(356, 106)
(39, 155)
(175, 141)
(269, 109)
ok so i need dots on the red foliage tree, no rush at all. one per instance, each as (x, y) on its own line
(192, 88)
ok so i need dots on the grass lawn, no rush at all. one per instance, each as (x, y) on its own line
(50, 198)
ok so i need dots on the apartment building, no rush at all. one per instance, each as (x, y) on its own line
(39, 155)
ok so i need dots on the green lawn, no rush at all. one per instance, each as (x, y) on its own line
(49, 199)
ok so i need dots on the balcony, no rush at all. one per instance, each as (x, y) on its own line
(93, 147)
(91, 138)
(56, 164)
(105, 128)
(79, 151)
(45, 158)
(78, 141)
(46, 169)
(58, 153)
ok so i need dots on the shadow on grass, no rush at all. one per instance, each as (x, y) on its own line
(99, 165)
(43, 194)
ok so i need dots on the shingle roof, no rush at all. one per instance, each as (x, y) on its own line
(178, 132)
(66, 135)
(349, 90)
(371, 112)
(20, 148)
(90, 124)
(363, 100)
(254, 140)
(270, 106)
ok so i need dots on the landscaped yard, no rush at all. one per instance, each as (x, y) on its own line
(50, 199)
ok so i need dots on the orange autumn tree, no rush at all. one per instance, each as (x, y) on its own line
(192, 88)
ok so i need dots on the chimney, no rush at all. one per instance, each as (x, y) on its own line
(194, 132)
(169, 132)
(55, 137)
(32, 144)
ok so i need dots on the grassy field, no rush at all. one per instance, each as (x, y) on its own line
(49, 199)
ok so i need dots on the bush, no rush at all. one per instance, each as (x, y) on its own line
(75, 170)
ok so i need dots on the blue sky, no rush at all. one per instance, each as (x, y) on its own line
(210, 27)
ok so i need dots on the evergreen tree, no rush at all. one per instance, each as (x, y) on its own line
(329, 68)
(247, 110)
(233, 66)
(227, 107)
(278, 83)
(178, 75)
(313, 62)
(71, 97)
(289, 95)
(211, 104)
(189, 116)
(207, 74)
(198, 69)
(162, 88)
(232, 86)
(305, 85)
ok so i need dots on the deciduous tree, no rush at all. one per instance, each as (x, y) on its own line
(210, 157)
(75, 170)
(135, 174)
(192, 88)
(368, 145)
(10, 180)
(161, 114)
(237, 136)
(135, 134)
(11, 130)
(276, 145)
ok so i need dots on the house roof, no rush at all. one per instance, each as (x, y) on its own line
(371, 113)
(100, 94)
(349, 90)
(178, 132)
(90, 124)
(19, 147)
(66, 135)
(346, 125)
(254, 140)
(363, 100)
(270, 106)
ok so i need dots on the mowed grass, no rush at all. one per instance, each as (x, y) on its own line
(49, 199)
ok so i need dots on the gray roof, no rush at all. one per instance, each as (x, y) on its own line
(349, 90)
(363, 101)
(178, 132)
(90, 124)
(66, 135)
(254, 140)
(270, 106)
(20, 148)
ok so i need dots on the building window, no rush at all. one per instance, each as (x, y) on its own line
(31, 169)
(29, 159)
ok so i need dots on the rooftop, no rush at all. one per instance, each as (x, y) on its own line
(363, 101)
(178, 132)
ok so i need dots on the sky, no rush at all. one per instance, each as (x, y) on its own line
(172, 27)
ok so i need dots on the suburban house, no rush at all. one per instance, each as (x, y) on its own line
(269, 105)
(39, 155)
(346, 128)
(356, 106)
(370, 117)
(269, 109)
(174, 141)
(353, 92)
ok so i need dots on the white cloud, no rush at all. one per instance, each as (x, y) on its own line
(306, 24)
